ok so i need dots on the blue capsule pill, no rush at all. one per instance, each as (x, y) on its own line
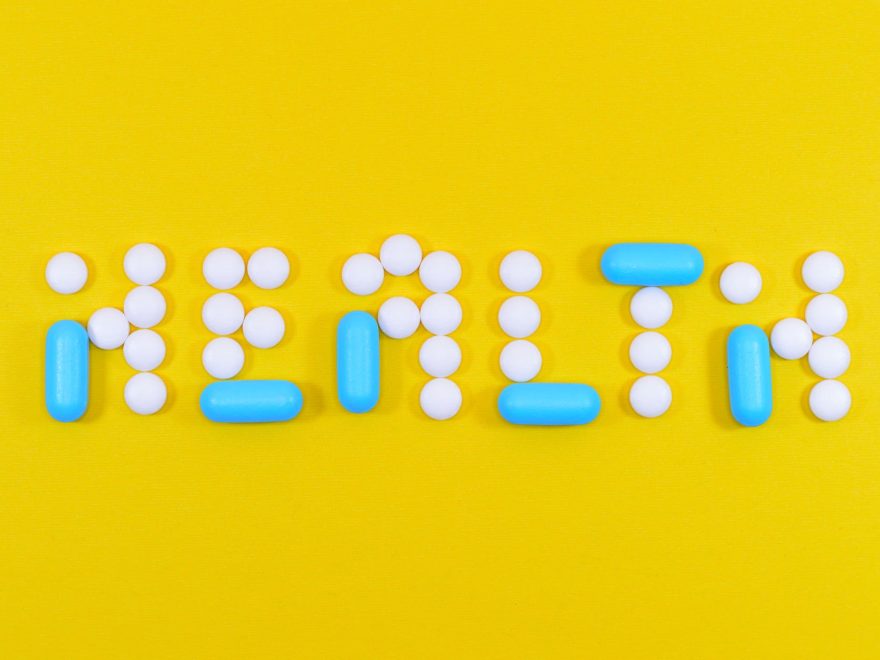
(652, 264)
(549, 404)
(241, 401)
(357, 362)
(748, 373)
(67, 371)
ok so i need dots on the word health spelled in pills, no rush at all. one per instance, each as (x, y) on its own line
(651, 274)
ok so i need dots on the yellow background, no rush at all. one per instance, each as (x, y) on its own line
(750, 129)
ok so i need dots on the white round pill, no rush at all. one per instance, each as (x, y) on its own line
(66, 273)
(222, 313)
(362, 274)
(268, 268)
(826, 314)
(440, 356)
(830, 400)
(145, 393)
(400, 254)
(440, 272)
(108, 328)
(791, 339)
(823, 271)
(741, 283)
(829, 357)
(520, 360)
(441, 314)
(144, 263)
(223, 357)
(650, 396)
(440, 399)
(263, 327)
(223, 268)
(144, 306)
(520, 271)
(519, 316)
(650, 352)
(398, 317)
(651, 307)
(144, 350)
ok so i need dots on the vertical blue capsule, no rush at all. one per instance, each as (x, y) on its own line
(357, 362)
(748, 372)
(67, 371)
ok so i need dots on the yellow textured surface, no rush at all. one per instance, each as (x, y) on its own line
(749, 129)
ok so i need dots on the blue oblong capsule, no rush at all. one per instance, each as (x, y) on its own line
(652, 264)
(748, 373)
(357, 362)
(242, 401)
(67, 371)
(549, 404)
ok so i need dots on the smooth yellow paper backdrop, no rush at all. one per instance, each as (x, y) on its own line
(750, 129)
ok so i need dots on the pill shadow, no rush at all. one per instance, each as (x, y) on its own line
(486, 404)
(170, 261)
(490, 316)
(467, 317)
(194, 357)
(623, 351)
(589, 264)
(623, 397)
(715, 283)
(313, 401)
(718, 395)
(91, 265)
(170, 351)
(171, 395)
(392, 364)
(805, 405)
(333, 276)
(797, 272)
(624, 308)
(97, 384)
(170, 308)
(493, 267)
(493, 361)
(467, 272)
(319, 359)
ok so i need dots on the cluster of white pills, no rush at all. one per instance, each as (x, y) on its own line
(144, 349)
(519, 316)
(399, 317)
(828, 356)
(223, 313)
(650, 352)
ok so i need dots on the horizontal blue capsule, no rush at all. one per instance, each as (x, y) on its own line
(357, 362)
(67, 371)
(549, 404)
(242, 401)
(652, 264)
(748, 373)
